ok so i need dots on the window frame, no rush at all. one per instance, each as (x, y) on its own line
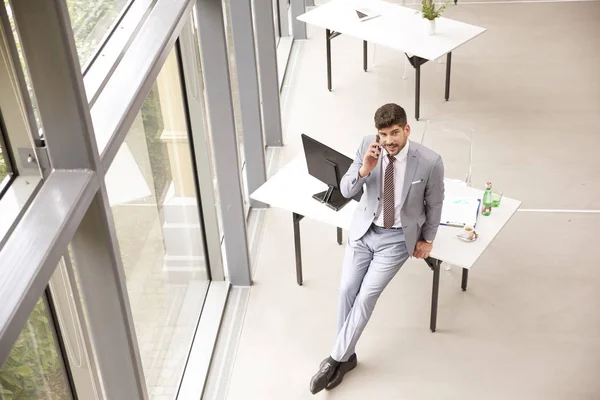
(99, 70)
(9, 159)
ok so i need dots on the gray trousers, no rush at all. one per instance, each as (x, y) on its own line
(369, 265)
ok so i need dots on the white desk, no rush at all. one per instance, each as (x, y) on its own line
(399, 28)
(292, 188)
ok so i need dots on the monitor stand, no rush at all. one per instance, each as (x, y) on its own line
(332, 198)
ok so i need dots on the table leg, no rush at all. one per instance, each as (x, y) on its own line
(365, 55)
(434, 264)
(339, 236)
(328, 33)
(416, 62)
(465, 277)
(448, 66)
(417, 89)
(297, 218)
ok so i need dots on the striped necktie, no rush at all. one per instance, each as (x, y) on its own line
(389, 203)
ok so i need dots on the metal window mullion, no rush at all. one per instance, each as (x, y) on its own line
(284, 18)
(266, 50)
(213, 52)
(249, 95)
(32, 252)
(298, 27)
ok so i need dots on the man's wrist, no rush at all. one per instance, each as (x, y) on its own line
(429, 241)
(362, 172)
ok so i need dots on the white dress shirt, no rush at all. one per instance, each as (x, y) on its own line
(399, 172)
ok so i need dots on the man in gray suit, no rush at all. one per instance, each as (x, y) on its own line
(398, 215)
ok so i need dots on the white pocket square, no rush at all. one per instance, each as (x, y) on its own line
(415, 182)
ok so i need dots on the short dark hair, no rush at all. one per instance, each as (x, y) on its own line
(390, 114)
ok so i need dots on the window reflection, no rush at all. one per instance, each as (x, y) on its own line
(92, 22)
(152, 192)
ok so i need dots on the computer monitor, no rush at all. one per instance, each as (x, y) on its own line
(328, 166)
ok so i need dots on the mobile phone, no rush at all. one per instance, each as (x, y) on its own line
(377, 140)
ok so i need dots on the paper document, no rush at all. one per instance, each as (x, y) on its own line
(460, 211)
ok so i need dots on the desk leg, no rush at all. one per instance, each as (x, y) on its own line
(416, 62)
(365, 55)
(434, 264)
(448, 66)
(328, 37)
(417, 89)
(297, 218)
(465, 277)
(339, 236)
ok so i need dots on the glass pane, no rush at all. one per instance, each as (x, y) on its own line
(92, 22)
(34, 369)
(152, 192)
(3, 167)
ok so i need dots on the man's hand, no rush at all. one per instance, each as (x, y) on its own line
(422, 249)
(370, 160)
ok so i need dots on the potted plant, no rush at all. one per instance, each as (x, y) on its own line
(430, 13)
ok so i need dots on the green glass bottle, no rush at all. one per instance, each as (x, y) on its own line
(487, 199)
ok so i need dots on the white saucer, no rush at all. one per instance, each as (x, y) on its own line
(468, 240)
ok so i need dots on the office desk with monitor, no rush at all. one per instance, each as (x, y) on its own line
(396, 27)
(292, 189)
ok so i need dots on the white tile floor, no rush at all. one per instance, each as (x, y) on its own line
(528, 326)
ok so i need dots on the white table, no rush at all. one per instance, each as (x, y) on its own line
(292, 188)
(399, 28)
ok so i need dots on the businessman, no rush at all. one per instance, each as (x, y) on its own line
(397, 216)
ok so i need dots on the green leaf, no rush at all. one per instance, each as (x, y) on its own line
(428, 9)
(6, 394)
(10, 379)
(23, 371)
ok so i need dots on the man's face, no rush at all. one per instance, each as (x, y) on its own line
(394, 138)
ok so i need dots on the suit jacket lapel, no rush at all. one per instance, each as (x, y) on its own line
(412, 162)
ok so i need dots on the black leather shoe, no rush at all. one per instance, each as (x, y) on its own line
(320, 380)
(340, 371)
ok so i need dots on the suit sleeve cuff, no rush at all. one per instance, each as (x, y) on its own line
(357, 179)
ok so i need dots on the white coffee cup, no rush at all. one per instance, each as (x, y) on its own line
(468, 232)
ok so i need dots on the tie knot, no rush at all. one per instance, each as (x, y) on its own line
(391, 158)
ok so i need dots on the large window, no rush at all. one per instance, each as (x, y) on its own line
(143, 232)
(152, 192)
(92, 22)
(34, 369)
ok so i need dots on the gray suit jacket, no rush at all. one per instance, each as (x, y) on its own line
(421, 202)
